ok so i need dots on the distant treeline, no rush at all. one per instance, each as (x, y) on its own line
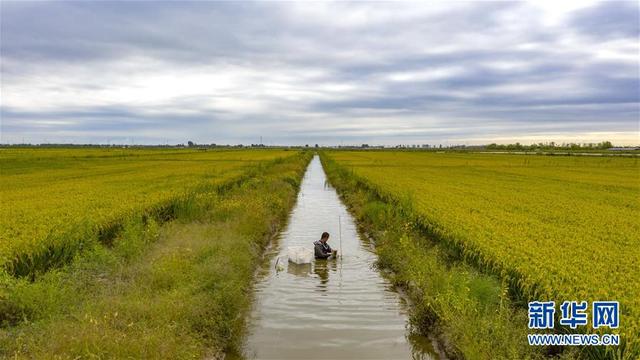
(604, 145)
(188, 145)
(547, 146)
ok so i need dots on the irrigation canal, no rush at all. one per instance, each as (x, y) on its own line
(330, 309)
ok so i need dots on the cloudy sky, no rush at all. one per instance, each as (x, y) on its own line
(327, 73)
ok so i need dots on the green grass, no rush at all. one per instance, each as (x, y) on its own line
(178, 290)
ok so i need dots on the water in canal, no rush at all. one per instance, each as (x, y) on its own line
(330, 309)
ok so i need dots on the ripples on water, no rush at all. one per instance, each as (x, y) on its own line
(331, 309)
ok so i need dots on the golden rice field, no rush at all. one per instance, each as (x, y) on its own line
(560, 227)
(51, 198)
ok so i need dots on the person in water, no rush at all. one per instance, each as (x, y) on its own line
(322, 249)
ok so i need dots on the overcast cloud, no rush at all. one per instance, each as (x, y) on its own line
(328, 73)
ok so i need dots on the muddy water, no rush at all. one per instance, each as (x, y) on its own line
(330, 309)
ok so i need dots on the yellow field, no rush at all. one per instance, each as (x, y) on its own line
(51, 197)
(560, 227)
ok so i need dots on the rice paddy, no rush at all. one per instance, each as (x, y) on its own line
(554, 227)
(55, 199)
(160, 287)
(89, 236)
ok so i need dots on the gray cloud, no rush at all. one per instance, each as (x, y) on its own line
(318, 72)
(609, 20)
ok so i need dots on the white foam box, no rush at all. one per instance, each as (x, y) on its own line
(300, 254)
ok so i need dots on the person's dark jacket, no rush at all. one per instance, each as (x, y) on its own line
(322, 250)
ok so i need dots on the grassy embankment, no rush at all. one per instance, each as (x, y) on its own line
(460, 216)
(177, 290)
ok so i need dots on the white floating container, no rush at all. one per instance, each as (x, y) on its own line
(300, 254)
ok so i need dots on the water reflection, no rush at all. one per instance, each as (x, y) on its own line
(321, 269)
(302, 270)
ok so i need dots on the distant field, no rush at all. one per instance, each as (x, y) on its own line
(53, 197)
(562, 227)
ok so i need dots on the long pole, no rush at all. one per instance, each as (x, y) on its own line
(340, 256)
(340, 232)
